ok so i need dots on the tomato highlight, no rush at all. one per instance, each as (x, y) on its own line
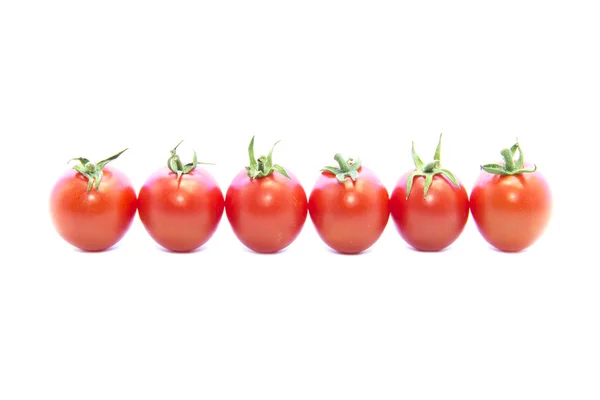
(348, 206)
(428, 205)
(92, 206)
(181, 205)
(265, 204)
(511, 203)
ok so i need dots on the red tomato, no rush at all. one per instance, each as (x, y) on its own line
(266, 205)
(349, 206)
(429, 206)
(180, 206)
(93, 206)
(511, 204)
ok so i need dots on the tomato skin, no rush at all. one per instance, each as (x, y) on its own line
(266, 214)
(433, 222)
(183, 215)
(511, 212)
(94, 220)
(349, 217)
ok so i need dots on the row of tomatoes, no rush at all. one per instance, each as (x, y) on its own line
(93, 205)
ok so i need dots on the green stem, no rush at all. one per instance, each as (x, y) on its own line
(93, 172)
(510, 166)
(509, 163)
(429, 170)
(263, 166)
(175, 165)
(431, 166)
(344, 167)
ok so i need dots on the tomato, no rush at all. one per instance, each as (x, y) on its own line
(180, 205)
(92, 207)
(429, 206)
(266, 205)
(511, 203)
(349, 206)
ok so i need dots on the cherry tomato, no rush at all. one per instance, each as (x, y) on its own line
(349, 206)
(511, 203)
(180, 205)
(92, 207)
(266, 205)
(429, 206)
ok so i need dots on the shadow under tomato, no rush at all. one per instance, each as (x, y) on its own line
(110, 249)
(250, 251)
(415, 250)
(507, 252)
(165, 250)
(333, 251)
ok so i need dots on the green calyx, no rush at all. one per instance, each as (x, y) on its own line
(93, 172)
(263, 166)
(175, 165)
(347, 168)
(428, 170)
(510, 165)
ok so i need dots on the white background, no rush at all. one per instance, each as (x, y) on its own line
(362, 78)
